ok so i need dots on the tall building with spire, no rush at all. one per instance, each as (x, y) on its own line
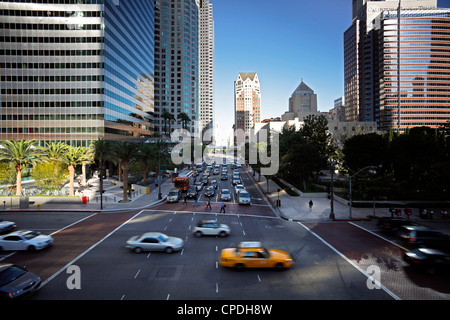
(247, 101)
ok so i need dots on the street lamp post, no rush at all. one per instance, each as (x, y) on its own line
(351, 195)
(332, 216)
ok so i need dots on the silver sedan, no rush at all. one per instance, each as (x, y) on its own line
(154, 241)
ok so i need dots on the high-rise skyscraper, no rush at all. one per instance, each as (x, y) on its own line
(372, 76)
(247, 101)
(76, 71)
(176, 65)
(206, 58)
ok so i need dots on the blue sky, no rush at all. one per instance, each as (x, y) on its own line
(284, 42)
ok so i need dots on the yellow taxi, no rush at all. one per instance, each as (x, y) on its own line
(251, 254)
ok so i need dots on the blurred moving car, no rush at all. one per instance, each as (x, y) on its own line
(244, 197)
(211, 228)
(430, 260)
(424, 237)
(6, 226)
(174, 195)
(16, 282)
(225, 195)
(251, 254)
(392, 225)
(25, 240)
(154, 241)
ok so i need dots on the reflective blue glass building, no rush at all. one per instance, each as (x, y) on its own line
(76, 70)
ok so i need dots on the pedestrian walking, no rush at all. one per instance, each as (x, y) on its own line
(310, 205)
(195, 201)
(222, 207)
(185, 201)
(209, 203)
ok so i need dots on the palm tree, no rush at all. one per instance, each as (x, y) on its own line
(126, 153)
(54, 153)
(184, 118)
(20, 153)
(102, 150)
(87, 158)
(147, 153)
(72, 158)
(168, 116)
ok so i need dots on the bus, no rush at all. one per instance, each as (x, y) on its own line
(184, 180)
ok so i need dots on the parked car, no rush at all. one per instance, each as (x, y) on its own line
(25, 240)
(238, 188)
(154, 241)
(210, 191)
(424, 237)
(191, 192)
(6, 226)
(430, 260)
(392, 225)
(174, 195)
(211, 228)
(225, 195)
(244, 197)
(17, 282)
(251, 254)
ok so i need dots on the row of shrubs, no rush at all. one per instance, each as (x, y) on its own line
(37, 192)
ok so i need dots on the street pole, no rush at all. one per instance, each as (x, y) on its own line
(332, 216)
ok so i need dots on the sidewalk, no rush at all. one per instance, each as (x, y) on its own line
(296, 208)
(111, 198)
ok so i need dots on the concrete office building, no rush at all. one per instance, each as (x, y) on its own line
(371, 64)
(247, 101)
(206, 66)
(176, 65)
(76, 71)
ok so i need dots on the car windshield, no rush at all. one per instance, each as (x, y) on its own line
(244, 195)
(163, 238)
(11, 274)
(225, 192)
(173, 193)
(31, 235)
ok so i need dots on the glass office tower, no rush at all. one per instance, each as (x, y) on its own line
(176, 66)
(76, 70)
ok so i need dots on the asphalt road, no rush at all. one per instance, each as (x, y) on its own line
(110, 271)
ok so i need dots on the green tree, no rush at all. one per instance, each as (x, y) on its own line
(126, 153)
(21, 154)
(72, 157)
(49, 174)
(54, 153)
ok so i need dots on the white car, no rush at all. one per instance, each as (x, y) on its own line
(211, 228)
(25, 240)
(174, 195)
(244, 197)
(6, 226)
(225, 195)
(154, 241)
(238, 188)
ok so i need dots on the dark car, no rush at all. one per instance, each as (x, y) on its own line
(419, 236)
(392, 225)
(210, 191)
(16, 282)
(191, 192)
(430, 260)
(224, 176)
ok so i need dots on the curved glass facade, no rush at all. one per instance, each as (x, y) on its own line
(76, 70)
